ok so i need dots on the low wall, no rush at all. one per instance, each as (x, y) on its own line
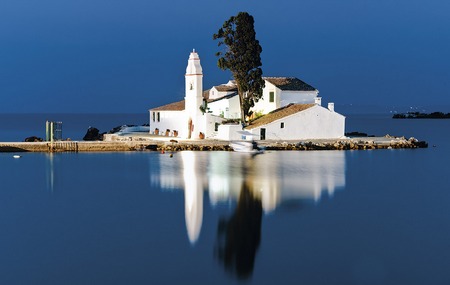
(364, 143)
(75, 146)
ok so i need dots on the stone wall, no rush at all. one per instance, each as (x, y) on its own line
(136, 144)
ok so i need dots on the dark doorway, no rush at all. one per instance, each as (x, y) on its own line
(263, 134)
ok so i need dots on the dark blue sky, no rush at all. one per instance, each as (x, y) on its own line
(130, 55)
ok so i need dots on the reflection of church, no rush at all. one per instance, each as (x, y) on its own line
(277, 178)
(193, 196)
(272, 178)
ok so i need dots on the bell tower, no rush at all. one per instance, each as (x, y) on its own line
(193, 94)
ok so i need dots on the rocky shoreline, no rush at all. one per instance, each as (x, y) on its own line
(418, 115)
(153, 144)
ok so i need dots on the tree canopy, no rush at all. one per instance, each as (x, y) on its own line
(242, 56)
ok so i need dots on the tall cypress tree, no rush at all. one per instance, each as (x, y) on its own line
(242, 56)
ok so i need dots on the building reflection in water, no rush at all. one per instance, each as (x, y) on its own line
(238, 237)
(50, 171)
(276, 177)
(259, 184)
(193, 196)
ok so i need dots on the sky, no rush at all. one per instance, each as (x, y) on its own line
(126, 56)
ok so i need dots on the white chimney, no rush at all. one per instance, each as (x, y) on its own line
(331, 107)
(318, 101)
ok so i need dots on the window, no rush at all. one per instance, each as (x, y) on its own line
(216, 127)
(153, 113)
(282, 125)
(159, 117)
(271, 96)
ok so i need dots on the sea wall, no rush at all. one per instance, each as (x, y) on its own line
(352, 144)
(363, 143)
(72, 146)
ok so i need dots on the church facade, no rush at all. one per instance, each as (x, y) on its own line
(289, 109)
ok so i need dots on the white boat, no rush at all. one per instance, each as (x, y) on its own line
(135, 129)
(246, 146)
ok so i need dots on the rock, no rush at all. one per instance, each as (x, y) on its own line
(152, 147)
(355, 134)
(420, 144)
(33, 139)
(93, 134)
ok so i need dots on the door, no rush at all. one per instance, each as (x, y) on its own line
(263, 134)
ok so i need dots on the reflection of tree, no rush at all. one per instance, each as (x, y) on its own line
(239, 237)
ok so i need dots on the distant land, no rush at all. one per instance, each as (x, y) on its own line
(418, 115)
(389, 110)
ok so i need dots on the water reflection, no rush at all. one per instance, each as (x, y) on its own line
(50, 171)
(193, 196)
(276, 177)
(259, 185)
(238, 237)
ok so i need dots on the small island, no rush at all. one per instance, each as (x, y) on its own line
(418, 115)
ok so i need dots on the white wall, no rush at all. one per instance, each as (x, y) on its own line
(234, 111)
(215, 94)
(282, 98)
(313, 123)
(230, 108)
(229, 132)
(177, 120)
(264, 105)
(298, 97)
(172, 120)
(207, 125)
(210, 125)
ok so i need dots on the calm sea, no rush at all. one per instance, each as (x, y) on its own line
(317, 217)
(17, 127)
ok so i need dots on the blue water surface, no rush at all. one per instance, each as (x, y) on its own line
(17, 127)
(287, 217)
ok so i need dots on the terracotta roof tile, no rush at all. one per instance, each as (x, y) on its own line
(224, 97)
(226, 88)
(206, 94)
(279, 114)
(176, 106)
(289, 83)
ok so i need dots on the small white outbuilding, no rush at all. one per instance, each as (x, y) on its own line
(299, 121)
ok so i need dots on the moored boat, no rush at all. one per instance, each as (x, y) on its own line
(246, 146)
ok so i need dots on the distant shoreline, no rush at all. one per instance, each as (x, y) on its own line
(418, 115)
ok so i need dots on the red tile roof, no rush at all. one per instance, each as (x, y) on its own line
(226, 88)
(176, 106)
(279, 114)
(289, 83)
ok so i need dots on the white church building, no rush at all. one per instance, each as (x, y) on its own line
(289, 109)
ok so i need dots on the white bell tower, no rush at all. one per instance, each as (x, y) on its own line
(194, 95)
